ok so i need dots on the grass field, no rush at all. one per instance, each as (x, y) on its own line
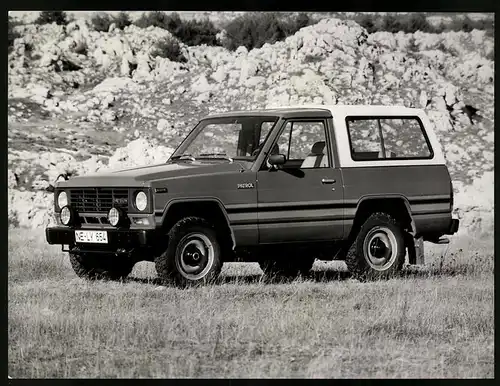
(432, 322)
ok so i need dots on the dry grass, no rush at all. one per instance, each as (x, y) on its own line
(436, 322)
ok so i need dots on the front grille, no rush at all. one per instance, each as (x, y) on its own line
(90, 200)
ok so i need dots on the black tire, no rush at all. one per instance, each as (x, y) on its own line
(286, 265)
(192, 246)
(99, 267)
(379, 250)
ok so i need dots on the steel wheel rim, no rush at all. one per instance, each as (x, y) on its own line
(380, 248)
(196, 256)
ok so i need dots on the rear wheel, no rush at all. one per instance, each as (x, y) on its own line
(193, 255)
(379, 250)
(94, 266)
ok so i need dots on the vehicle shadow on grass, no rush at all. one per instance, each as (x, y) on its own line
(325, 276)
(316, 276)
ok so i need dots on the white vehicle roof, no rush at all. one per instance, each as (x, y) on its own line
(339, 112)
(362, 109)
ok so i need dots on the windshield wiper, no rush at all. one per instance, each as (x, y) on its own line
(183, 156)
(216, 156)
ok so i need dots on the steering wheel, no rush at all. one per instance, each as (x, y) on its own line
(256, 151)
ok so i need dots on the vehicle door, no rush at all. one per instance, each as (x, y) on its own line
(301, 200)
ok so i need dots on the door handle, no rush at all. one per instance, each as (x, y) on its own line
(328, 181)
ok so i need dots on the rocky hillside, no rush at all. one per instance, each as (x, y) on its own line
(81, 101)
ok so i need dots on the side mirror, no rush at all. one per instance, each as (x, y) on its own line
(277, 159)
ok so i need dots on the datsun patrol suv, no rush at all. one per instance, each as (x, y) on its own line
(281, 187)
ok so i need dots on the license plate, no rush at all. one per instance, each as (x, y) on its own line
(98, 237)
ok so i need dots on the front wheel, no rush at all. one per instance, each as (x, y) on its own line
(193, 254)
(379, 250)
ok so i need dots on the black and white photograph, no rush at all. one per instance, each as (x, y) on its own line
(250, 194)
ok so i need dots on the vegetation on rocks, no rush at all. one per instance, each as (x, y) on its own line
(418, 22)
(122, 20)
(11, 34)
(253, 30)
(169, 48)
(48, 17)
(102, 21)
(190, 32)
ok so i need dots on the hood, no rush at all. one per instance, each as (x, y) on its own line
(143, 175)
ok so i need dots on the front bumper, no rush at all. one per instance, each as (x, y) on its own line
(126, 239)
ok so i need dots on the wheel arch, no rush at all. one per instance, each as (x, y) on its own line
(396, 205)
(210, 208)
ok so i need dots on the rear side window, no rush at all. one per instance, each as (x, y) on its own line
(375, 138)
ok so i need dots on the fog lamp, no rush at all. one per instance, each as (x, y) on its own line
(66, 215)
(114, 216)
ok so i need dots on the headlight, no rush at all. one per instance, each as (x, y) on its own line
(66, 215)
(62, 199)
(114, 216)
(141, 201)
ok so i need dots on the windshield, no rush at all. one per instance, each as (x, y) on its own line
(231, 138)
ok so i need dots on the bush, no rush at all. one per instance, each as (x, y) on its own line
(466, 24)
(122, 20)
(155, 19)
(49, 17)
(191, 32)
(195, 33)
(256, 29)
(101, 22)
(418, 22)
(391, 23)
(368, 23)
(11, 34)
(170, 49)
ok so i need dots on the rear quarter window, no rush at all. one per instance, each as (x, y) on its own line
(382, 138)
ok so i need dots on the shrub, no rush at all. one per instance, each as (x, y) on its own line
(195, 33)
(368, 23)
(101, 22)
(122, 20)
(48, 17)
(418, 22)
(253, 30)
(312, 59)
(412, 45)
(191, 32)
(11, 34)
(391, 23)
(155, 19)
(159, 19)
(170, 49)
(466, 24)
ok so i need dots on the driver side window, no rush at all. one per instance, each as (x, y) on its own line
(304, 145)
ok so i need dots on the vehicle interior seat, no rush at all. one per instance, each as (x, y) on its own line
(317, 158)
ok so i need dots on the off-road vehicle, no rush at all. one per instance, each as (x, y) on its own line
(281, 187)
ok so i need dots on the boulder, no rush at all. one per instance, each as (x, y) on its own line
(162, 125)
